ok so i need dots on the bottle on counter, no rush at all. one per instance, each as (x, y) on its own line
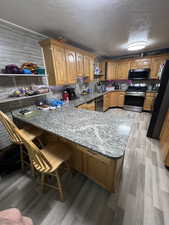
(65, 96)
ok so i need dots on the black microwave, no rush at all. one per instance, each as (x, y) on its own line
(139, 74)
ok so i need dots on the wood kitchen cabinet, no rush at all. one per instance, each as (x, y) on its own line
(103, 170)
(118, 69)
(117, 99)
(64, 62)
(79, 64)
(120, 98)
(149, 101)
(106, 101)
(111, 70)
(123, 67)
(71, 65)
(164, 140)
(140, 63)
(157, 61)
(89, 66)
(88, 106)
(113, 99)
(56, 64)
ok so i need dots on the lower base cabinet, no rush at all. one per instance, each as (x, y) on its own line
(106, 101)
(103, 170)
(113, 99)
(88, 106)
(149, 101)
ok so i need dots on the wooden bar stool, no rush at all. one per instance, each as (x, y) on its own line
(31, 133)
(47, 160)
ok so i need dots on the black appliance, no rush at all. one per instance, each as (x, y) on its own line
(139, 74)
(134, 98)
(161, 104)
(71, 92)
(99, 104)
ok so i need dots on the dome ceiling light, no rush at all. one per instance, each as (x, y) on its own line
(137, 46)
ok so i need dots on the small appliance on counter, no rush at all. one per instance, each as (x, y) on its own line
(100, 87)
(116, 86)
(71, 93)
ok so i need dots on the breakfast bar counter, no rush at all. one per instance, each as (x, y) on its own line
(98, 140)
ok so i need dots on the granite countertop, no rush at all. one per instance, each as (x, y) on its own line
(97, 131)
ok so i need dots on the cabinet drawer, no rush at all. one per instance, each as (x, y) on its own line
(152, 94)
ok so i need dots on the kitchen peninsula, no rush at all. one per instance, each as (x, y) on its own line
(97, 140)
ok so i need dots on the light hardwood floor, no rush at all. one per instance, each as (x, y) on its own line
(143, 198)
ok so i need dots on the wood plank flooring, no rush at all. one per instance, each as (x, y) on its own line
(143, 198)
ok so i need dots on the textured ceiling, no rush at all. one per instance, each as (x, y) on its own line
(105, 26)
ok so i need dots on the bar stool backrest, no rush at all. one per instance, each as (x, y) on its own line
(11, 128)
(38, 159)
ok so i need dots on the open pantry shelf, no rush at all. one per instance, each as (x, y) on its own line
(10, 99)
(23, 75)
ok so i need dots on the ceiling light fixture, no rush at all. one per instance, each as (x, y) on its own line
(137, 45)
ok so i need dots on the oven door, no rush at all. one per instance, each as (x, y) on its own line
(134, 103)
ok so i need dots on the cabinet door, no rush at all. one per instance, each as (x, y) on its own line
(87, 65)
(59, 61)
(76, 160)
(120, 99)
(155, 65)
(79, 63)
(49, 62)
(96, 170)
(140, 63)
(106, 101)
(71, 65)
(123, 69)
(111, 70)
(148, 103)
(113, 100)
(91, 75)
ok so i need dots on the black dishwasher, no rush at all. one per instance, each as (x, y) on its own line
(99, 104)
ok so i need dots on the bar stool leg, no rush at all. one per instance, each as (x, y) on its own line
(21, 157)
(42, 181)
(59, 186)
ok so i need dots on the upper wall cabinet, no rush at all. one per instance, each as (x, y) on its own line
(157, 61)
(111, 70)
(59, 61)
(118, 69)
(140, 63)
(123, 67)
(55, 61)
(89, 66)
(71, 65)
(79, 63)
(64, 62)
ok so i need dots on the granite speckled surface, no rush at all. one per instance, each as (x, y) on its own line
(95, 130)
